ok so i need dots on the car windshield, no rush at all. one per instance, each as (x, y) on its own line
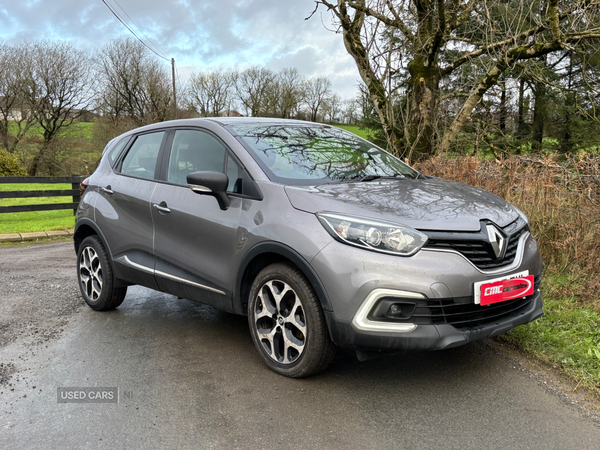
(297, 154)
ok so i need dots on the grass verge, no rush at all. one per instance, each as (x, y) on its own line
(567, 336)
(35, 220)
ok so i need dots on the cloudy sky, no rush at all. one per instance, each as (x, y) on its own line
(198, 34)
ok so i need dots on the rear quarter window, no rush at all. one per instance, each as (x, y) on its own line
(113, 152)
(140, 160)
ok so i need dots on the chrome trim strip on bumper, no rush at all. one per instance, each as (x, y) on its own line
(361, 319)
(516, 263)
(126, 261)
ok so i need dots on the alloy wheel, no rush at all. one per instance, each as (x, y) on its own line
(90, 273)
(280, 322)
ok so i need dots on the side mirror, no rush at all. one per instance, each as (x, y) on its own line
(210, 183)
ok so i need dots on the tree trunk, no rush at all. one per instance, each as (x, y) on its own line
(465, 112)
(539, 114)
(521, 112)
(33, 167)
(382, 104)
(566, 144)
(5, 138)
(424, 85)
(502, 118)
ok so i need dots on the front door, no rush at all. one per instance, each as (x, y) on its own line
(194, 240)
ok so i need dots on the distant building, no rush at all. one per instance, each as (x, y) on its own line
(18, 111)
(230, 113)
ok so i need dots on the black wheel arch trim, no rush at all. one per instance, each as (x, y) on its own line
(288, 253)
(89, 222)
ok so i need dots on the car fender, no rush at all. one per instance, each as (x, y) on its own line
(288, 253)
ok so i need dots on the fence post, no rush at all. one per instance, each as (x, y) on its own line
(77, 197)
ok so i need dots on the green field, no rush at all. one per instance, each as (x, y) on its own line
(354, 129)
(36, 220)
(76, 131)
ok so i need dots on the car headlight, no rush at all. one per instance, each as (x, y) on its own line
(385, 237)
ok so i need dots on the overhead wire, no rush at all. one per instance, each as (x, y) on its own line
(133, 32)
(140, 29)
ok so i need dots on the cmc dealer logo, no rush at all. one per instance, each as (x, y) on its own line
(88, 395)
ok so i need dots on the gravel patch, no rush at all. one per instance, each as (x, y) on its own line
(38, 294)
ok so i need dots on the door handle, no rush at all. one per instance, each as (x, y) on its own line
(107, 190)
(162, 207)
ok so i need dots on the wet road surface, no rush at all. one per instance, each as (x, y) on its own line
(189, 377)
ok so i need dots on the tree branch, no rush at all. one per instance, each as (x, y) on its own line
(438, 39)
(396, 22)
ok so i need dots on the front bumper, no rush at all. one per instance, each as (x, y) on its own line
(428, 337)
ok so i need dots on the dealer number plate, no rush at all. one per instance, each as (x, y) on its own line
(502, 289)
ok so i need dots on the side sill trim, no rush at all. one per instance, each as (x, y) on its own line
(125, 260)
(183, 280)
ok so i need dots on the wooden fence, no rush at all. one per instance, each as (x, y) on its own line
(73, 192)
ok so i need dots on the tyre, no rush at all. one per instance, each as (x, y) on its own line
(95, 276)
(287, 323)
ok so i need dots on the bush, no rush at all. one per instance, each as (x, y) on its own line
(562, 201)
(10, 165)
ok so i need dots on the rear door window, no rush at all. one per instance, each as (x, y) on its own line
(140, 160)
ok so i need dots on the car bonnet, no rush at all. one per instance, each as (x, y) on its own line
(425, 204)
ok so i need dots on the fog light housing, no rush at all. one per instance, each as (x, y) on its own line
(401, 311)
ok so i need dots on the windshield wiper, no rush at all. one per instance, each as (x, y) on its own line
(362, 178)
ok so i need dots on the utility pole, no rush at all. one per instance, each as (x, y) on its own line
(174, 94)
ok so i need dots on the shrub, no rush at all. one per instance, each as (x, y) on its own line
(562, 201)
(10, 165)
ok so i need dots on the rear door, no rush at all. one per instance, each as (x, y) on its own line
(195, 241)
(123, 208)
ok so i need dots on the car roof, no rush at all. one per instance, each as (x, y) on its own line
(224, 121)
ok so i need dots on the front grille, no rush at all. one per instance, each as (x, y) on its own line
(446, 311)
(461, 312)
(476, 247)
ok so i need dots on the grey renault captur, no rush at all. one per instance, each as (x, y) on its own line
(321, 238)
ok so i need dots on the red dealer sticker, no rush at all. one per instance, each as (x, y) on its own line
(500, 291)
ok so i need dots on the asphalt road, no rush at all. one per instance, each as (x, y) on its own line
(188, 377)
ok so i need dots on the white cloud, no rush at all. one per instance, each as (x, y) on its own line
(198, 34)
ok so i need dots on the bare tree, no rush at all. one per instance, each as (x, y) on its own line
(333, 108)
(252, 87)
(292, 92)
(212, 92)
(410, 54)
(350, 110)
(15, 117)
(56, 88)
(133, 84)
(316, 93)
(271, 104)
